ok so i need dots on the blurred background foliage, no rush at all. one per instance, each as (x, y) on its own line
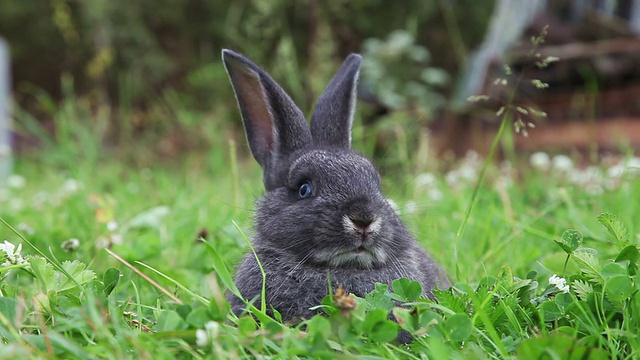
(149, 71)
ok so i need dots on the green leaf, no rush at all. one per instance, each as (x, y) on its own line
(384, 331)
(8, 310)
(247, 325)
(184, 310)
(612, 269)
(631, 254)
(619, 288)
(564, 300)
(378, 328)
(198, 317)
(570, 240)
(457, 303)
(488, 282)
(379, 298)
(219, 308)
(459, 327)
(616, 228)
(431, 323)
(319, 326)
(551, 311)
(78, 272)
(222, 270)
(404, 318)
(588, 263)
(44, 273)
(110, 279)
(505, 276)
(407, 290)
(582, 289)
(519, 284)
(169, 320)
(557, 346)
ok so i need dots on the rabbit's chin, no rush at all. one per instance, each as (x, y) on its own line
(361, 258)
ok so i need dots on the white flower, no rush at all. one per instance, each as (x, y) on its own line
(425, 179)
(616, 171)
(633, 165)
(452, 177)
(560, 283)
(540, 160)
(16, 181)
(13, 254)
(112, 226)
(435, 194)
(410, 207)
(201, 338)
(26, 228)
(468, 172)
(71, 245)
(70, 186)
(562, 163)
(210, 332)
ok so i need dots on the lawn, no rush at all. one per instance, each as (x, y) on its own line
(85, 216)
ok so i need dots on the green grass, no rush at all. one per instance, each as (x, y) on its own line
(88, 304)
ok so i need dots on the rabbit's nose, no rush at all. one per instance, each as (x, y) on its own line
(360, 222)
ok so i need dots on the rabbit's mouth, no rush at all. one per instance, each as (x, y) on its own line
(358, 256)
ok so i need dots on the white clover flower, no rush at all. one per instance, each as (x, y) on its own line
(560, 283)
(616, 171)
(468, 172)
(435, 194)
(562, 163)
(210, 332)
(16, 181)
(452, 177)
(425, 179)
(633, 165)
(410, 207)
(70, 245)
(202, 339)
(26, 228)
(112, 225)
(70, 186)
(13, 254)
(540, 160)
(116, 239)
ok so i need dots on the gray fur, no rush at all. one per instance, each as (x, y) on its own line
(346, 228)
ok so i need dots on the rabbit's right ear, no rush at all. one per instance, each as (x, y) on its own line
(274, 125)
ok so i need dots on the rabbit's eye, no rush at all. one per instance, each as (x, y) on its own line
(305, 190)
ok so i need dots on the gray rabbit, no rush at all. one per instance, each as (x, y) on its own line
(323, 212)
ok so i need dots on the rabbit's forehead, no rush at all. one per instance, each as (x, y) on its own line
(332, 162)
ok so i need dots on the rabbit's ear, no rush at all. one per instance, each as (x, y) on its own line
(274, 125)
(333, 115)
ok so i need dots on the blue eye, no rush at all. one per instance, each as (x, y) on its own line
(305, 190)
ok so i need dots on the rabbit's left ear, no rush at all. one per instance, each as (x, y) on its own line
(332, 117)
